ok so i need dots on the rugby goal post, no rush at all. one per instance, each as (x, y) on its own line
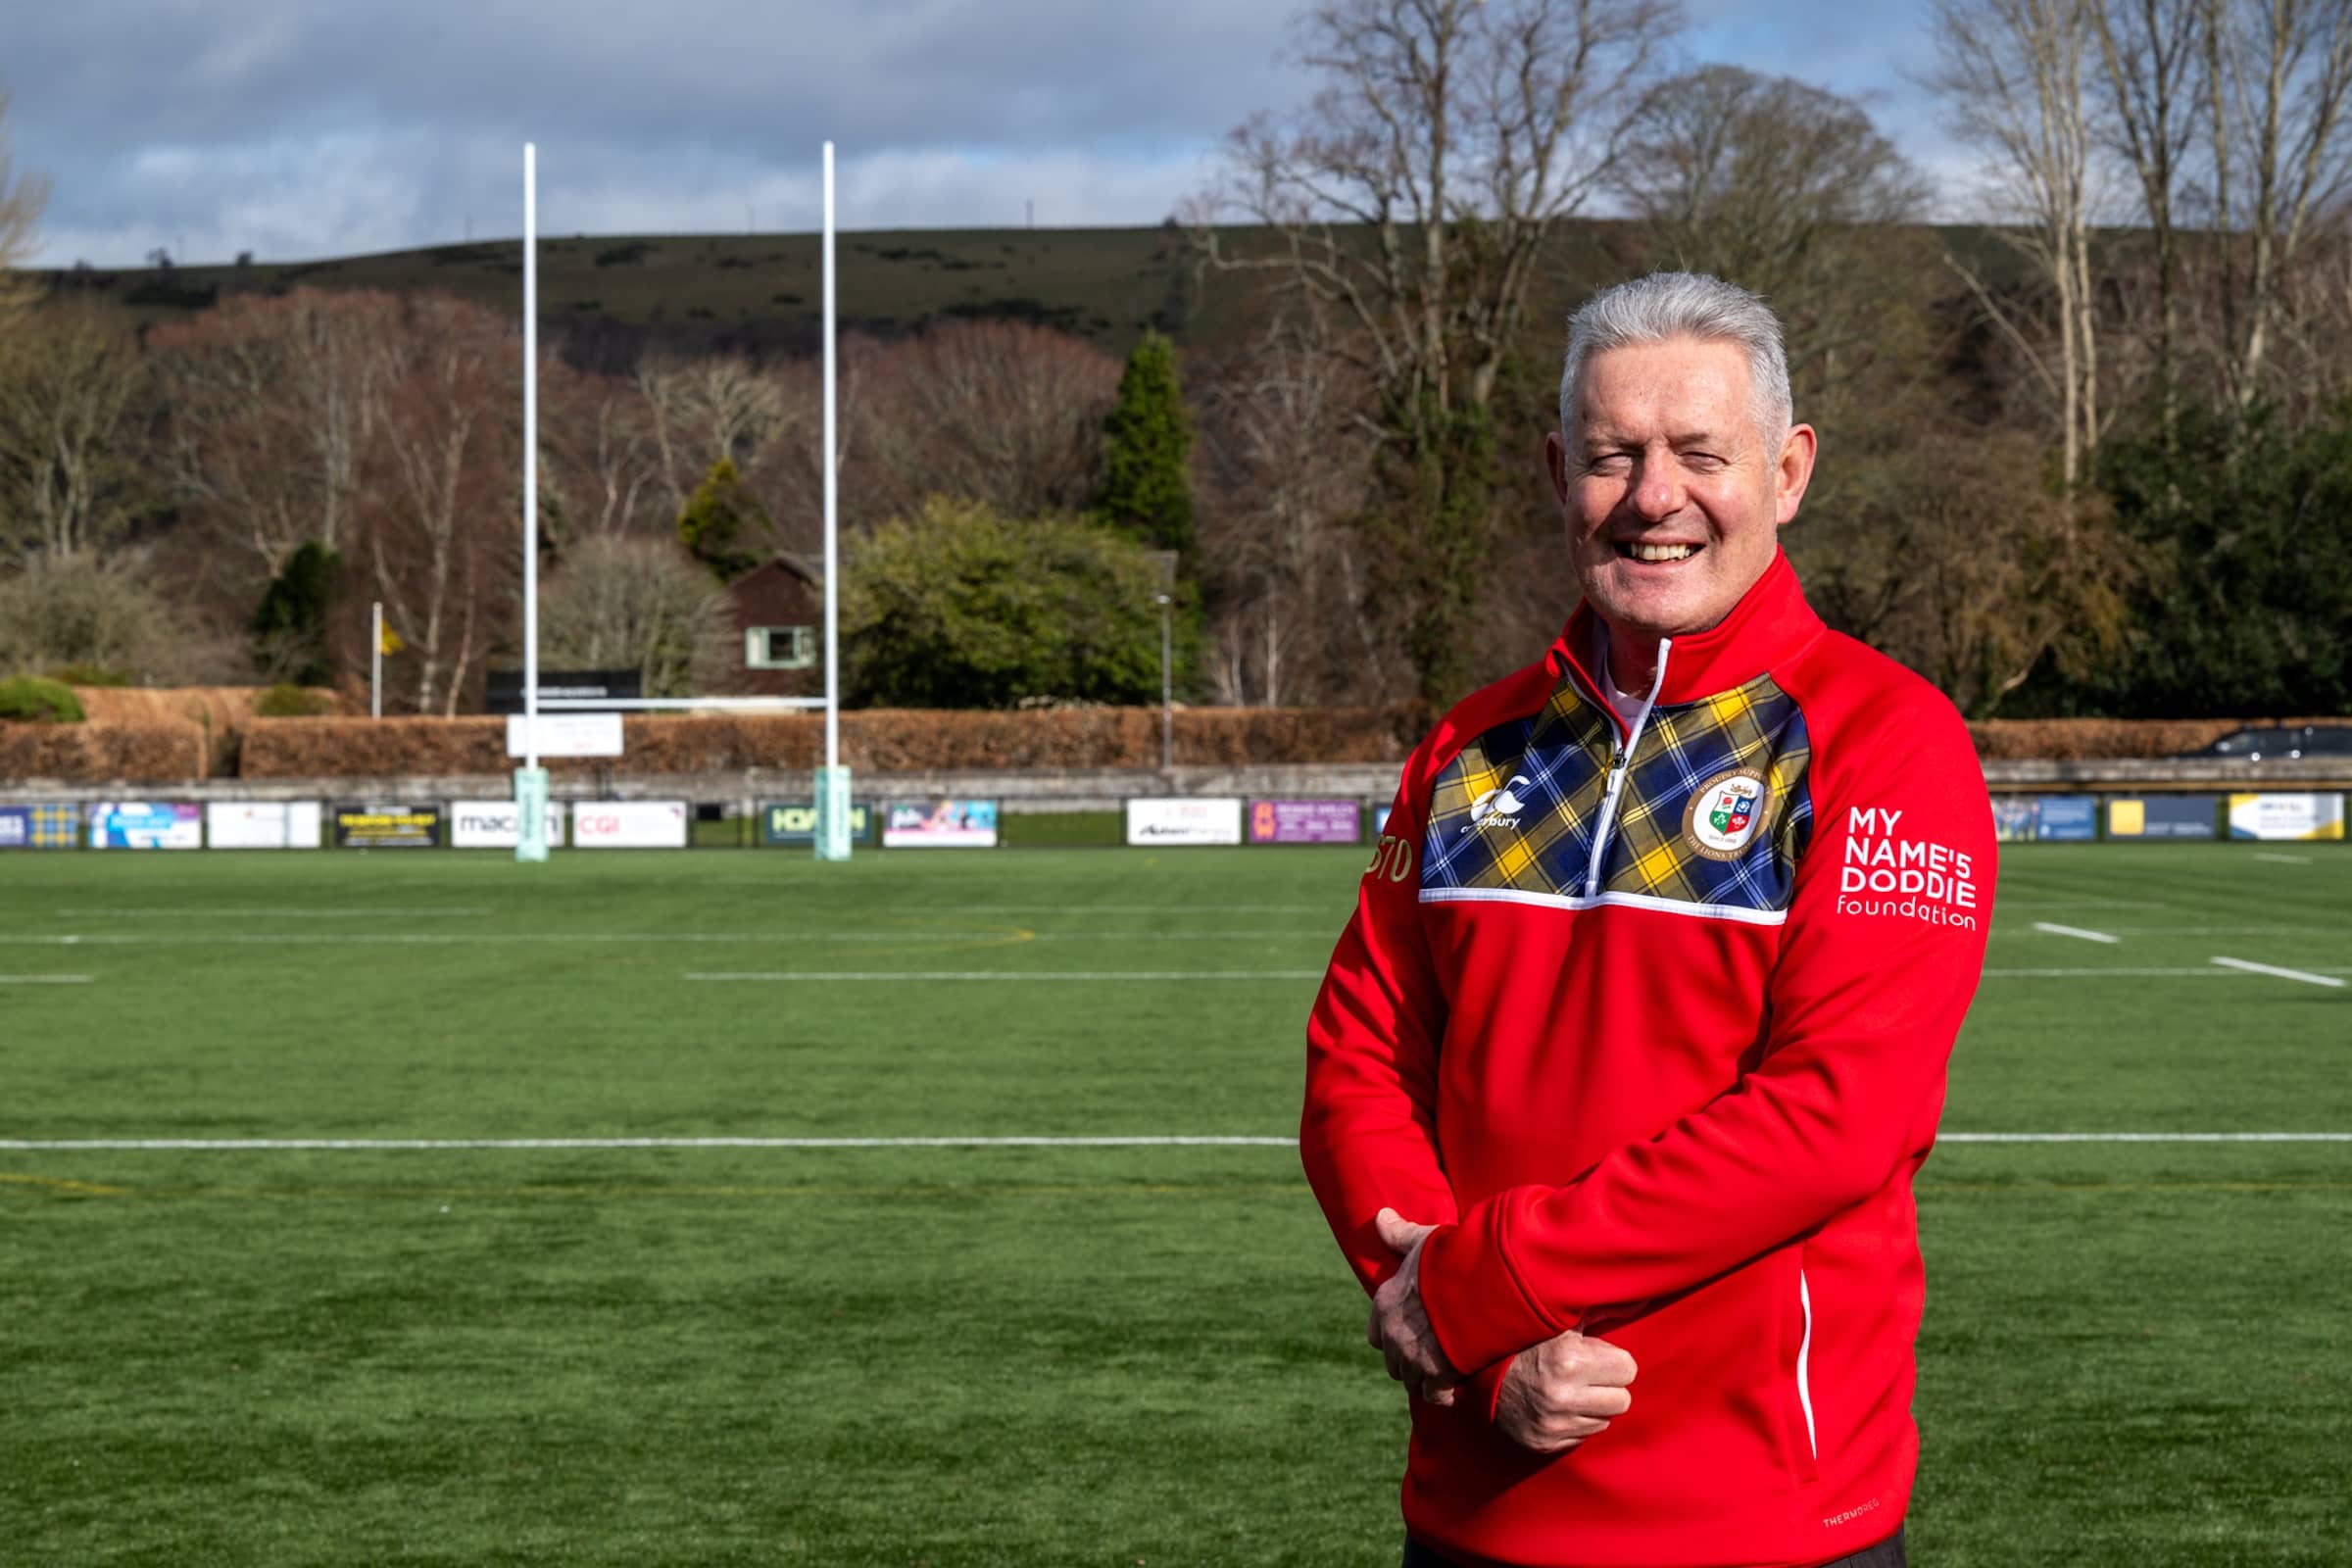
(831, 784)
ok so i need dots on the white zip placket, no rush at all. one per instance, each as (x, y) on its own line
(1617, 771)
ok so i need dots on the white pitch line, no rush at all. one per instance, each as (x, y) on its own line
(1007, 974)
(283, 911)
(450, 938)
(401, 1144)
(2304, 975)
(44, 979)
(2083, 975)
(2076, 931)
(2284, 859)
(1136, 1140)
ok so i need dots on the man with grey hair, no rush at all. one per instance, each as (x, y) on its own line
(1638, 1036)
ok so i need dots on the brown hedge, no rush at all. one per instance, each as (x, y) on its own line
(95, 753)
(2071, 740)
(887, 741)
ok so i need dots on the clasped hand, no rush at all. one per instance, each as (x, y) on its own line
(1554, 1395)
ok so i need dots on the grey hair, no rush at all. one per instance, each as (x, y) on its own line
(1671, 304)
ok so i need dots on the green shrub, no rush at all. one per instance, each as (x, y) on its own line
(36, 698)
(93, 676)
(287, 701)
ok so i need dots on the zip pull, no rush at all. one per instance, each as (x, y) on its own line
(1617, 772)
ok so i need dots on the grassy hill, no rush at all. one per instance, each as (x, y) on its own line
(610, 295)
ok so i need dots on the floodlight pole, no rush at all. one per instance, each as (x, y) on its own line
(1167, 687)
(832, 779)
(530, 779)
(375, 661)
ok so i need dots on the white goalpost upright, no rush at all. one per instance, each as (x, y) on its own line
(832, 779)
(530, 779)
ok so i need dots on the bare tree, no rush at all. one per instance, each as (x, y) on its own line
(22, 200)
(705, 410)
(442, 524)
(273, 403)
(623, 603)
(1413, 198)
(1285, 466)
(2012, 76)
(1788, 190)
(73, 389)
(2276, 75)
(601, 472)
(2148, 54)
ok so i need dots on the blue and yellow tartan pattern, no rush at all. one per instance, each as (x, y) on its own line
(1555, 764)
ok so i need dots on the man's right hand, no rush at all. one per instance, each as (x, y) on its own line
(1560, 1393)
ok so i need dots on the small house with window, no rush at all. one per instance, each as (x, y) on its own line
(778, 608)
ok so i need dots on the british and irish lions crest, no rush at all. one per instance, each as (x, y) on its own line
(1725, 814)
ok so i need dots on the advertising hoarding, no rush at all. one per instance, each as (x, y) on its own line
(629, 824)
(2017, 818)
(40, 827)
(146, 825)
(2282, 817)
(1306, 822)
(940, 825)
(491, 826)
(2162, 816)
(261, 824)
(1185, 821)
(387, 827)
(794, 822)
(565, 734)
(502, 689)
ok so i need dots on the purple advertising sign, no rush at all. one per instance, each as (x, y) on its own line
(1306, 822)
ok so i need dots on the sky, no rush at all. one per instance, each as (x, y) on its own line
(301, 129)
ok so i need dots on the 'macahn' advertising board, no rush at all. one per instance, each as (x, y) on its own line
(261, 824)
(2282, 817)
(146, 825)
(387, 827)
(629, 824)
(1185, 820)
(490, 825)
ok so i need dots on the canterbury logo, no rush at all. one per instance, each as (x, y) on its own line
(1498, 808)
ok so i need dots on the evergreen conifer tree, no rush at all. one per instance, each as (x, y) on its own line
(1147, 481)
(722, 526)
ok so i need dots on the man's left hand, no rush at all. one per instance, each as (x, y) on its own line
(1399, 1328)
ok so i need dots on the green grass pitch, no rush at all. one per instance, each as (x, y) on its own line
(2136, 1352)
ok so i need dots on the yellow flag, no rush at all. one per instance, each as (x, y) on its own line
(390, 641)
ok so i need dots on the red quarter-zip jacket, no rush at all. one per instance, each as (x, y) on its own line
(1648, 1012)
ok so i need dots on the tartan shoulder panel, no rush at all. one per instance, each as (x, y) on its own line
(1516, 808)
(1718, 807)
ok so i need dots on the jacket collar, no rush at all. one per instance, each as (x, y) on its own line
(1771, 622)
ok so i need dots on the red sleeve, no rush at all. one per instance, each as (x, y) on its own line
(1368, 1133)
(1864, 1000)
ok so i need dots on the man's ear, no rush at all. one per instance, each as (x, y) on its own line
(1793, 473)
(1556, 463)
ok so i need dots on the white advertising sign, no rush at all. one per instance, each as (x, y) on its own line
(490, 824)
(261, 824)
(2286, 816)
(1205, 819)
(629, 824)
(566, 734)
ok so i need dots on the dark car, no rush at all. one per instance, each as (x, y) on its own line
(2275, 741)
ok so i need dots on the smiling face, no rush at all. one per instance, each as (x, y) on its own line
(1672, 499)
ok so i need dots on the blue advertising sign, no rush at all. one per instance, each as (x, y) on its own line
(2068, 817)
(146, 825)
(40, 827)
(2163, 817)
